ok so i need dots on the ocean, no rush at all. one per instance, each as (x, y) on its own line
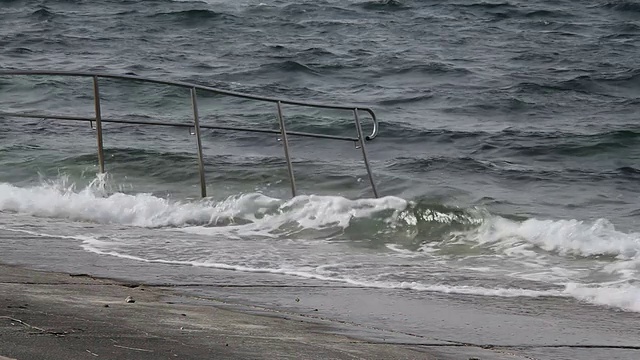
(508, 158)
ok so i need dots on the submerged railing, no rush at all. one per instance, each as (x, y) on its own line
(360, 139)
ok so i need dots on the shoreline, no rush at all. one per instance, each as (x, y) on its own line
(77, 316)
(59, 312)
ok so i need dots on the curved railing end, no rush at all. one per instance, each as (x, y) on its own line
(374, 132)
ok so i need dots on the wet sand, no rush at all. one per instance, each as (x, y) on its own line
(47, 315)
(203, 313)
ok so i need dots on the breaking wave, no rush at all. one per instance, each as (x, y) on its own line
(400, 226)
(388, 218)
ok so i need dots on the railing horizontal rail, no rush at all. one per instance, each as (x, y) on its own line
(282, 132)
(373, 134)
(174, 124)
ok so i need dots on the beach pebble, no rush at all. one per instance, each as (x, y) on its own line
(129, 299)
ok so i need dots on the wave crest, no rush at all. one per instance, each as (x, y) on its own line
(564, 237)
(388, 220)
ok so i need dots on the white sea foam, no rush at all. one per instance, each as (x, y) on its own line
(624, 296)
(309, 273)
(621, 296)
(260, 214)
(139, 210)
(263, 215)
(56, 200)
(565, 237)
(83, 238)
(145, 210)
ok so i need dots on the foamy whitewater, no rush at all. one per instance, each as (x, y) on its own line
(384, 243)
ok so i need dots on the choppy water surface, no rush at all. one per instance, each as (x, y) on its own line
(509, 153)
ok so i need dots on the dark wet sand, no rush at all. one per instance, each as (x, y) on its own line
(236, 315)
(47, 315)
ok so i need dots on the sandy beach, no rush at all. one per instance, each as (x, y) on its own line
(47, 315)
(60, 302)
(50, 315)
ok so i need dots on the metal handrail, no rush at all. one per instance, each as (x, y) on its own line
(374, 131)
(98, 119)
(175, 124)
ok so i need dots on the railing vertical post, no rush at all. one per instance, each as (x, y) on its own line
(285, 141)
(364, 152)
(96, 102)
(196, 125)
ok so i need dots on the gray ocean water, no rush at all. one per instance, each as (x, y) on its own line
(508, 156)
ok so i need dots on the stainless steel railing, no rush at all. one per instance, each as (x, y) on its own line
(359, 139)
